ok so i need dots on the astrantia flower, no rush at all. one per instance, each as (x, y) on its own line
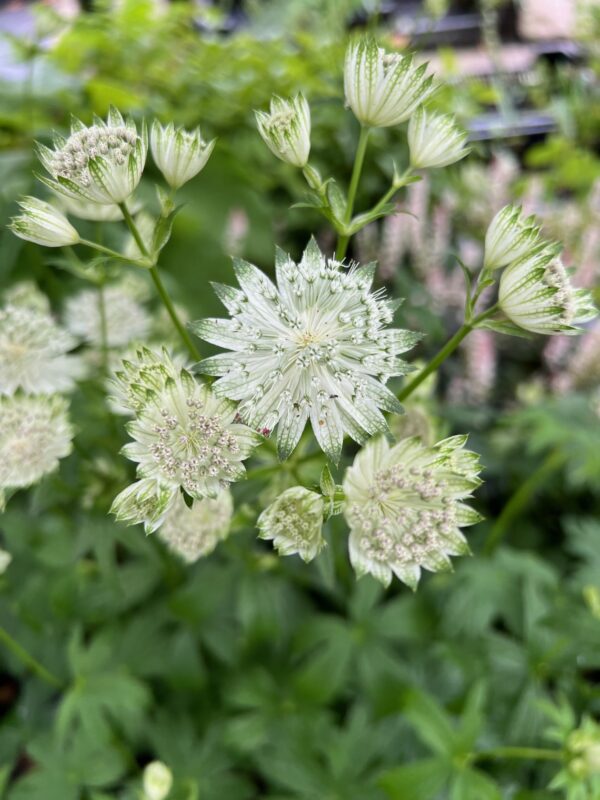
(536, 293)
(510, 236)
(383, 89)
(142, 372)
(146, 501)
(26, 293)
(126, 319)
(403, 506)
(313, 348)
(286, 129)
(34, 435)
(294, 522)
(195, 532)
(434, 140)
(186, 437)
(102, 163)
(43, 224)
(179, 154)
(34, 353)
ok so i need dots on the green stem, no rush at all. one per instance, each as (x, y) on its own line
(107, 251)
(359, 158)
(103, 328)
(542, 754)
(17, 650)
(395, 187)
(443, 354)
(521, 498)
(164, 296)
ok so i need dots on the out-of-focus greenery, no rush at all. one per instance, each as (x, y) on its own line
(252, 676)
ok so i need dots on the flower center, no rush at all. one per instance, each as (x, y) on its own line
(112, 142)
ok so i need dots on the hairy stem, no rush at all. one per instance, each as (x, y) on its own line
(359, 159)
(26, 658)
(520, 499)
(160, 288)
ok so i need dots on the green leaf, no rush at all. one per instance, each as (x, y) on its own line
(420, 780)
(432, 724)
(163, 230)
(327, 483)
(472, 784)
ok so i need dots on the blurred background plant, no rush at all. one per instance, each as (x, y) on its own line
(251, 676)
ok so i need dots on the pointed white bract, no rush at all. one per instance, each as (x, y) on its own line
(137, 375)
(286, 129)
(126, 319)
(102, 163)
(34, 353)
(295, 523)
(403, 505)
(510, 236)
(313, 348)
(383, 89)
(157, 782)
(536, 293)
(192, 533)
(43, 224)
(179, 154)
(35, 434)
(185, 437)
(434, 140)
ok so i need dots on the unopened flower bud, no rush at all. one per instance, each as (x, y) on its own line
(294, 522)
(434, 140)
(179, 154)
(286, 129)
(43, 224)
(510, 236)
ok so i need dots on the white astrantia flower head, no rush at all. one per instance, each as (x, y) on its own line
(186, 437)
(194, 532)
(313, 348)
(35, 434)
(294, 521)
(146, 501)
(157, 781)
(26, 294)
(286, 129)
(126, 319)
(536, 294)
(403, 506)
(102, 163)
(383, 89)
(137, 374)
(434, 140)
(510, 236)
(179, 154)
(43, 224)
(34, 353)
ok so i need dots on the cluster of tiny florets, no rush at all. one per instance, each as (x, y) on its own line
(402, 506)
(125, 318)
(314, 347)
(294, 522)
(34, 434)
(194, 532)
(114, 143)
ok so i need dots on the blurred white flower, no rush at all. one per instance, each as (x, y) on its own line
(194, 532)
(179, 154)
(35, 434)
(536, 293)
(137, 374)
(403, 506)
(34, 353)
(295, 523)
(383, 89)
(510, 236)
(157, 781)
(126, 319)
(314, 347)
(5, 559)
(26, 293)
(286, 129)
(43, 224)
(95, 212)
(102, 163)
(434, 140)
(186, 437)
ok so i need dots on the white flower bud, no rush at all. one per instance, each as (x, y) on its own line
(286, 129)
(536, 293)
(294, 522)
(178, 154)
(509, 237)
(383, 89)
(146, 501)
(158, 780)
(434, 140)
(43, 224)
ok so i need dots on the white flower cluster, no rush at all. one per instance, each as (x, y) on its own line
(184, 438)
(404, 506)
(535, 290)
(294, 521)
(313, 348)
(193, 533)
